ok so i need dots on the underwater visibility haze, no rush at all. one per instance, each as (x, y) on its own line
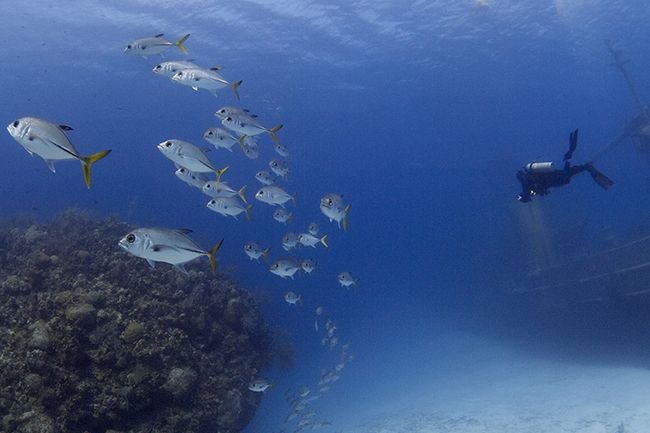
(369, 182)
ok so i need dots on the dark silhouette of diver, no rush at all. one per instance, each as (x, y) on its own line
(537, 177)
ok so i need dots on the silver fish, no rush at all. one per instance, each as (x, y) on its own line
(346, 279)
(196, 180)
(220, 138)
(168, 69)
(313, 229)
(304, 391)
(224, 112)
(282, 216)
(289, 241)
(308, 266)
(280, 168)
(247, 125)
(292, 298)
(254, 251)
(274, 195)
(229, 206)
(264, 177)
(189, 156)
(334, 208)
(249, 147)
(47, 140)
(285, 268)
(199, 78)
(260, 385)
(155, 45)
(309, 240)
(166, 245)
(222, 189)
(319, 311)
(281, 149)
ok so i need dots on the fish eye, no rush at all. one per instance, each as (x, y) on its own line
(208, 186)
(212, 202)
(210, 133)
(130, 238)
(228, 119)
(168, 144)
(143, 47)
(158, 67)
(129, 46)
(181, 170)
(16, 123)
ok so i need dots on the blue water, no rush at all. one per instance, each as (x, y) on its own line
(418, 112)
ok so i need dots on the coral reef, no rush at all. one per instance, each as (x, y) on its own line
(93, 340)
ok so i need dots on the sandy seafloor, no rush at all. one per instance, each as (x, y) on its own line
(517, 394)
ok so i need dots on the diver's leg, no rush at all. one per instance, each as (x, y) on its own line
(573, 143)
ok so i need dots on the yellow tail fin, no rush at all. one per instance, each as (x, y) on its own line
(235, 87)
(323, 241)
(179, 43)
(241, 192)
(241, 142)
(345, 217)
(273, 131)
(212, 253)
(248, 212)
(219, 173)
(88, 161)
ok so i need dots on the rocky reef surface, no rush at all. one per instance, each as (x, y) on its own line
(93, 340)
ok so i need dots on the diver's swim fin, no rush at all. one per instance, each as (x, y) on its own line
(603, 181)
(573, 143)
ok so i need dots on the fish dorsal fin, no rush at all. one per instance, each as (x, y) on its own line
(184, 231)
(65, 127)
(50, 165)
(159, 35)
(151, 263)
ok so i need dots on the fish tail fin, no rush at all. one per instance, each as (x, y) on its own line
(241, 192)
(211, 256)
(241, 141)
(323, 241)
(273, 131)
(179, 43)
(345, 217)
(88, 161)
(293, 197)
(290, 217)
(235, 87)
(248, 212)
(220, 173)
(265, 254)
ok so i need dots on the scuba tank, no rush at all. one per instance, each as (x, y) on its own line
(539, 167)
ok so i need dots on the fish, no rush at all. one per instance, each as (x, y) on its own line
(280, 168)
(220, 138)
(308, 266)
(49, 141)
(281, 149)
(334, 208)
(254, 251)
(304, 391)
(189, 156)
(313, 229)
(247, 125)
(222, 189)
(333, 342)
(229, 206)
(168, 69)
(274, 195)
(250, 148)
(259, 385)
(172, 246)
(200, 78)
(320, 310)
(289, 241)
(282, 216)
(224, 112)
(154, 45)
(285, 268)
(292, 298)
(309, 240)
(196, 180)
(264, 177)
(346, 279)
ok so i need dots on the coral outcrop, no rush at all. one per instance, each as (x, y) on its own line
(93, 340)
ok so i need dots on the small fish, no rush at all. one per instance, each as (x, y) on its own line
(250, 148)
(220, 138)
(222, 189)
(168, 69)
(224, 112)
(229, 206)
(260, 385)
(196, 180)
(280, 168)
(199, 78)
(313, 229)
(282, 216)
(285, 268)
(320, 310)
(264, 177)
(166, 245)
(308, 266)
(334, 208)
(155, 45)
(304, 391)
(274, 195)
(340, 366)
(346, 279)
(245, 124)
(292, 298)
(289, 241)
(324, 389)
(189, 156)
(333, 342)
(254, 251)
(47, 140)
(309, 240)
(281, 149)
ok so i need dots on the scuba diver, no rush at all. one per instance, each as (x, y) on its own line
(537, 177)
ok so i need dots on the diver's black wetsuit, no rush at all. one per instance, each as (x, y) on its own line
(538, 182)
